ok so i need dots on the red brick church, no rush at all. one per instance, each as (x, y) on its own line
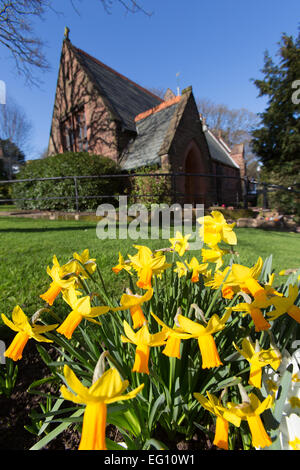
(100, 111)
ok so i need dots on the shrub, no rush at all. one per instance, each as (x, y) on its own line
(149, 190)
(91, 192)
(283, 200)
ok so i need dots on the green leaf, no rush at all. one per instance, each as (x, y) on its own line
(282, 393)
(55, 432)
(126, 420)
(156, 444)
(111, 445)
(153, 413)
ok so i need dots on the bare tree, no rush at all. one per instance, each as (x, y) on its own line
(234, 125)
(18, 37)
(14, 124)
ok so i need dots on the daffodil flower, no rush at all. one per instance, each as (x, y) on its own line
(181, 269)
(254, 309)
(147, 264)
(20, 323)
(250, 410)
(215, 229)
(133, 302)
(180, 243)
(85, 264)
(246, 279)
(207, 345)
(61, 279)
(286, 305)
(173, 338)
(237, 278)
(143, 341)
(258, 358)
(196, 269)
(81, 308)
(224, 416)
(270, 291)
(107, 389)
(122, 265)
(213, 255)
(219, 278)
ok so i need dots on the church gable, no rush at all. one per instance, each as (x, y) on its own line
(81, 119)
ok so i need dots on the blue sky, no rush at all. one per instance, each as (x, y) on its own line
(217, 46)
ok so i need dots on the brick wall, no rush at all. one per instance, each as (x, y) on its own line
(76, 91)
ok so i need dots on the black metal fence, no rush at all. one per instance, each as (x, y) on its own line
(183, 188)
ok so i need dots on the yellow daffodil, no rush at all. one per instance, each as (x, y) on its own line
(173, 338)
(237, 278)
(213, 255)
(269, 289)
(107, 389)
(143, 341)
(181, 269)
(254, 309)
(219, 278)
(246, 279)
(207, 345)
(215, 229)
(286, 305)
(85, 264)
(196, 269)
(250, 410)
(133, 302)
(224, 416)
(180, 243)
(20, 323)
(121, 265)
(147, 264)
(61, 279)
(258, 358)
(81, 308)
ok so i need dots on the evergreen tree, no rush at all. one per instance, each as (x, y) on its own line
(277, 140)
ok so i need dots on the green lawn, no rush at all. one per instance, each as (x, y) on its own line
(27, 247)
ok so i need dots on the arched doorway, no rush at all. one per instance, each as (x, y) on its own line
(195, 187)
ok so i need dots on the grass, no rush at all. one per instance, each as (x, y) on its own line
(28, 245)
(7, 207)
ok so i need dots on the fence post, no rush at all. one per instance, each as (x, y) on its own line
(76, 194)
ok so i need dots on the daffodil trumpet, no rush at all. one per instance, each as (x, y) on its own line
(133, 303)
(81, 308)
(107, 389)
(25, 331)
(61, 280)
(224, 416)
(207, 345)
(173, 338)
(258, 358)
(143, 341)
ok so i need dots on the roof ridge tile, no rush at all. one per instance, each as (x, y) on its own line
(163, 105)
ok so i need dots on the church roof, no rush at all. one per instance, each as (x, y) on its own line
(151, 130)
(217, 151)
(125, 98)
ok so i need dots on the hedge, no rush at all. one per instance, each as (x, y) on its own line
(67, 164)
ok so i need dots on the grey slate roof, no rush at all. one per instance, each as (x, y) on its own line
(151, 132)
(217, 151)
(126, 98)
